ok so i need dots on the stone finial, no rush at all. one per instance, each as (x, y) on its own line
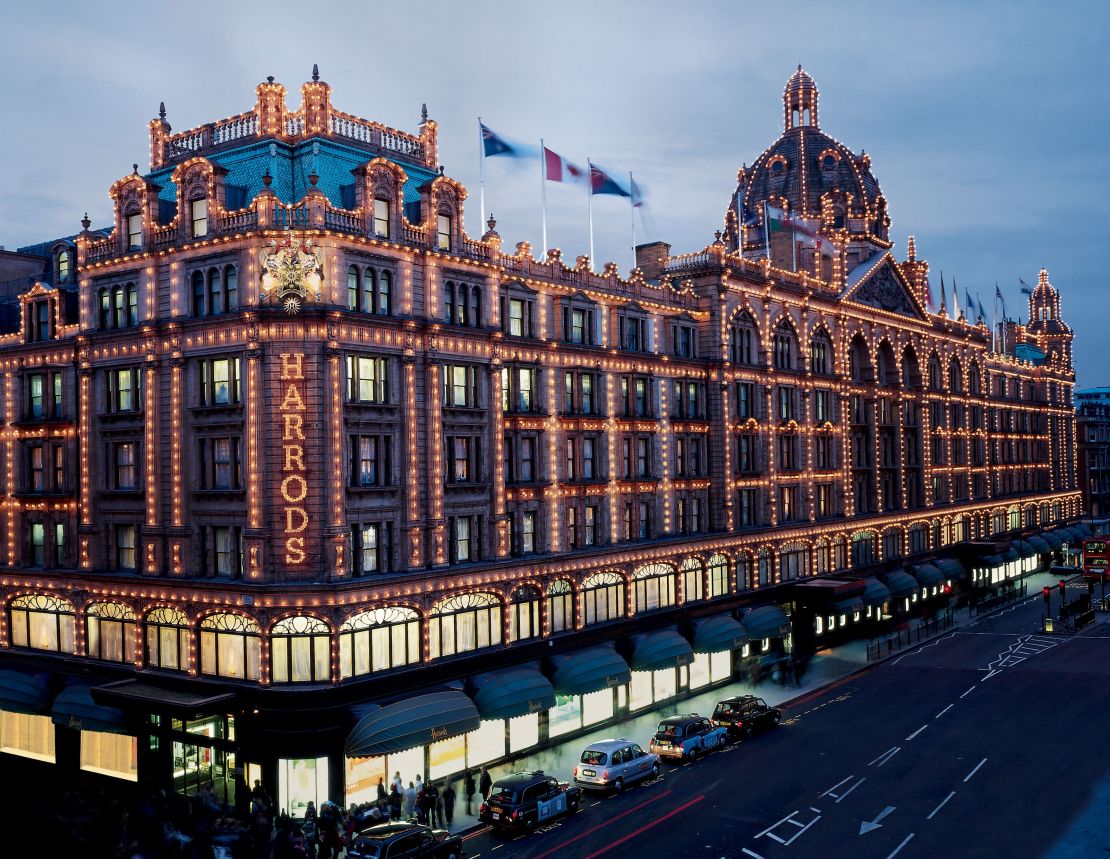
(85, 222)
(717, 237)
(162, 111)
(313, 178)
(267, 179)
(135, 169)
(424, 112)
(440, 169)
(315, 72)
(491, 222)
(269, 79)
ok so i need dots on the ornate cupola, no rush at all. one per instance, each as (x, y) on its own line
(799, 101)
(1051, 332)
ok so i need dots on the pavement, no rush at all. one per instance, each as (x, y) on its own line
(826, 667)
(983, 742)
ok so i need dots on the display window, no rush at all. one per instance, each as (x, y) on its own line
(301, 781)
(485, 744)
(27, 736)
(524, 732)
(597, 707)
(565, 716)
(115, 755)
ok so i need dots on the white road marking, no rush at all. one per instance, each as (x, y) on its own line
(970, 774)
(945, 710)
(834, 787)
(885, 756)
(769, 831)
(939, 807)
(872, 825)
(849, 790)
(968, 692)
(773, 825)
(915, 733)
(894, 852)
(750, 853)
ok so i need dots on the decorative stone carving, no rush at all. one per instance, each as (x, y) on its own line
(884, 290)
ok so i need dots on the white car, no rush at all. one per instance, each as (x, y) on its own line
(614, 764)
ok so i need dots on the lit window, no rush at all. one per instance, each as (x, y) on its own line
(381, 218)
(443, 232)
(300, 650)
(200, 218)
(63, 266)
(378, 640)
(135, 232)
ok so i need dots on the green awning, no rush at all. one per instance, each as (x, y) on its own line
(1078, 534)
(1054, 540)
(876, 593)
(1039, 544)
(717, 633)
(664, 648)
(512, 692)
(849, 605)
(410, 723)
(24, 693)
(901, 584)
(990, 561)
(1024, 549)
(1011, 555)
(75, 708)
(951, 568)
(590, 670)
(766, 621)
(928, 575)
(1085, 529)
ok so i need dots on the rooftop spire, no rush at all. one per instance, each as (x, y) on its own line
(315, 72)
(799, 101)
(162, 111)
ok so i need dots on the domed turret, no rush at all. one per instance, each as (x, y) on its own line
(799, 101)
(1052, 333)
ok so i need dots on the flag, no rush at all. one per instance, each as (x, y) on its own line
(494, 144)
(776, 219)
(558, 169)
(1025, 288)
(808, 229)
(749, 218)
(982, 313)
(970, 304)
(637, 193)
(602, 182)
(955, 300)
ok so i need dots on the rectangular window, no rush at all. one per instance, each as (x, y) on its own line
(528, 531)
(36, 468)
(745, 400)
(126, 547)
(226, 551)
(125, 390)
(460, 386)
(220, 382)
(643, 463)
(220, 463)
(123, 465)
(59, 544)
(589, 529)
(786, 403)
(371, 462)
(443, 232)
(463, 459)
(200, 218)
(371, 544)
(37, 540)
(746, 446)
(578, 325)
(519, 318)
(589, 468)
(572, 526)
(463, 543)
(381, 218)
(644, 520)
(822, 410)
(571, 460)
(135, 232)
(824, 499)
(747, 507)
(367, 379)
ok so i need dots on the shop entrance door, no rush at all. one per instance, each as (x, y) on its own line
(197, 766)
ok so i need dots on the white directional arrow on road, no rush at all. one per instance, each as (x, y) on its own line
(869, 825)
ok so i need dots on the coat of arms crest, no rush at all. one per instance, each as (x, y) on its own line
(290, 273)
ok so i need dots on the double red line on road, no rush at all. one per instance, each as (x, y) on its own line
(646, 827)
(608, 821)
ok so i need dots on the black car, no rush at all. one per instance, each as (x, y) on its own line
(404, 841)
(745, 714)
(527, 800)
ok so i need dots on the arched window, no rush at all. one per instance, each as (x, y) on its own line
(230, 646)
(766, 564)
(955, 377)
(105, 304)
(300, 650)
(785, 346)
(840, 553)
(892, 544)
(378, 640)
(41, 622)
(167, 639)
(352, 288)
(865, 548)
(744, 341)
(974, 385)
(859, 361)
(369, 290)
(449, 302)
(887, 367)
(63, 266)
(463, 623)
(919, 538)
(110, 631)
(200, 299)
(911, 370)
(215, 292)
(385, 293)
(602, 598)
(231, 288)
(718, 575)
(793, 561)
(653, 588)
(560, 606)
(693, 580)
(822, 553)
(524, 614)
(820, 354)
(936, 381)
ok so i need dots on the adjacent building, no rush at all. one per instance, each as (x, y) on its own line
(302, 482)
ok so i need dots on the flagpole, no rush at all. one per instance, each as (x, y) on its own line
(590, 206)
(543, 195)
(766, 232)
(632, 212)
(793, 244)
(994, 321)
(481, 176)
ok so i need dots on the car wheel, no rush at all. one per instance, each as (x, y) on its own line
(775, 719)
(618, 785)
(655, 770)
(747, 734)
(529, 825)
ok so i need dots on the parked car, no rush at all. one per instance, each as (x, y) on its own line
(745, 714)
(526, 800)
(404, 841)
(688, 736)
(614, 764)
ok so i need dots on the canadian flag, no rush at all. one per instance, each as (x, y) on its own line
(558, 169)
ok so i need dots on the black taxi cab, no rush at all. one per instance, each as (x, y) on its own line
(527, 800)
(404, 841)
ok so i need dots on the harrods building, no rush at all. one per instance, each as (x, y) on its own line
(301, 482)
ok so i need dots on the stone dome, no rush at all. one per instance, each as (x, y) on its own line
(813, 174)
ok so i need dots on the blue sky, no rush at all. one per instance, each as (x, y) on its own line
(986, 122)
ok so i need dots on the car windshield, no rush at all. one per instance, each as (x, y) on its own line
(503, 793)
(369, 849)
(668, 730)
(724, 709)
(594, 758)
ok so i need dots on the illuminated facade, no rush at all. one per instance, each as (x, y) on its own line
(305, 433)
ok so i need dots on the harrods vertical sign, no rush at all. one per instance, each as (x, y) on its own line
(295, 408)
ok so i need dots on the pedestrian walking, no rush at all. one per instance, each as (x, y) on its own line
(382, 795)
(485, 783)
(422, 806)
(397, 781)
(449, 803)
(433, 803)
(394, 802)
(410, 800)
(468, 791)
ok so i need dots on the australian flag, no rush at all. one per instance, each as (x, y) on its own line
(602, 183)
(494, 144)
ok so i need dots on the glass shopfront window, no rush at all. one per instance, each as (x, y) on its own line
(27, 736)
(720, 666)
(639, 690)
(524, 732)
(485, 744)
(699, 671)
(115, 755)
(597, 707)
(665, 684)
(565, 716)
(301, 781)
(447, 756)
